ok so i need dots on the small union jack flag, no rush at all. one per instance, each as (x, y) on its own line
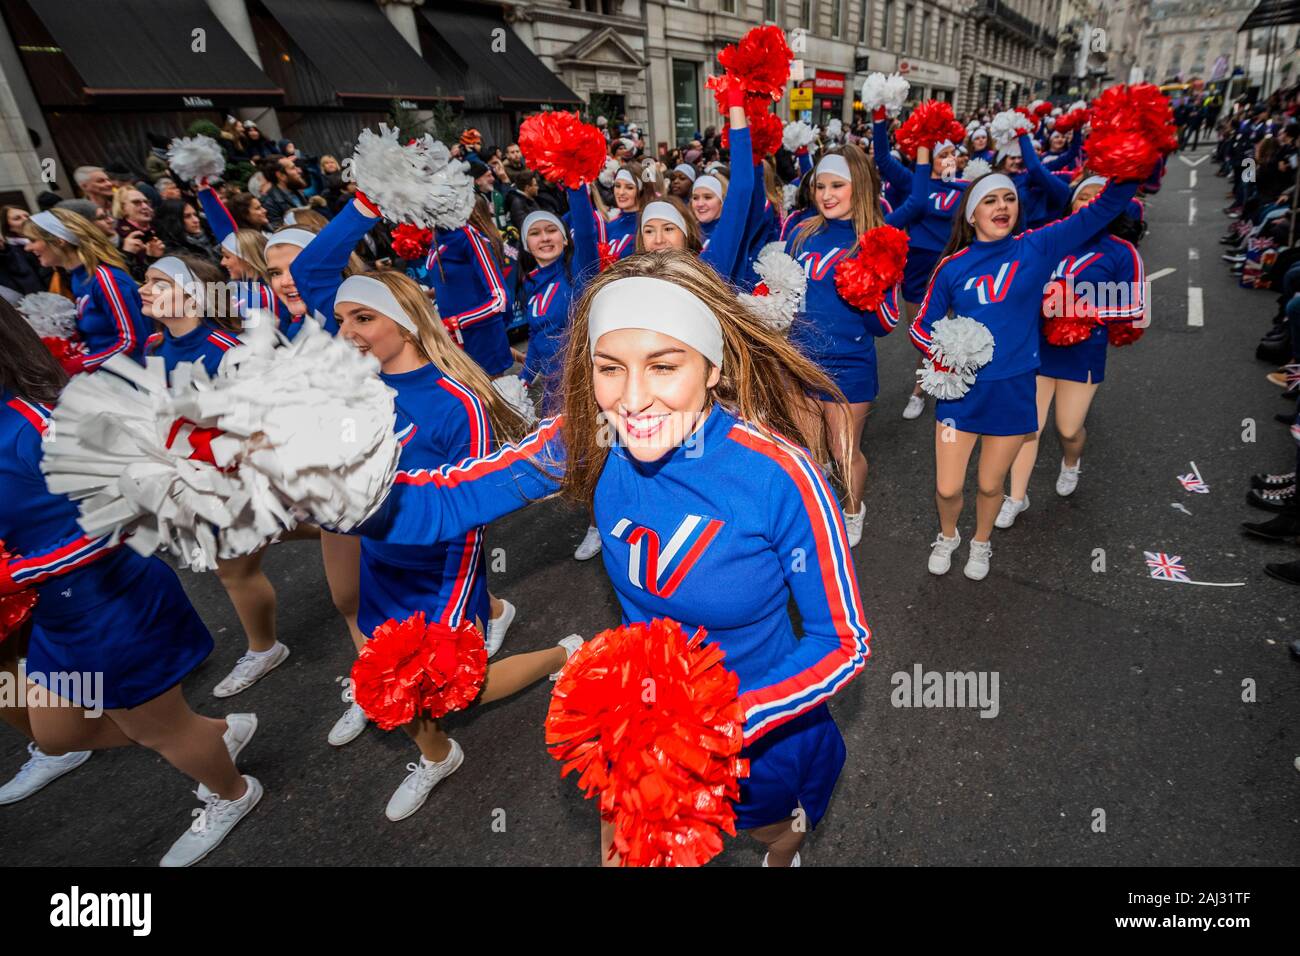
(1166, 567)
(1292, 377)
(1194, 482)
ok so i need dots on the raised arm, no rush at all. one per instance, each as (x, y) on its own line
(724, 248)
(425, 507)
(1057, 238)
(220, 220)
(318, 269)
(586, 240)
(1056, 191)
(834, 645)
(914, 206)
(894, 172)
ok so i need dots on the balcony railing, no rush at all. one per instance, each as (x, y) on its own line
(1016, 22)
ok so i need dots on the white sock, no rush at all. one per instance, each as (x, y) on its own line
(266, 653)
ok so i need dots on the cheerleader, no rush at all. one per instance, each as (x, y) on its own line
(681, 180)
(281, 250)
(317, 272)
(629, 197)
(109, 319)
(1069, 375)
(178, 293)
(447, 411)
(1054, 190)
(837, 337)
(977, 145)
(706, 203)
(896, 176)
(928, 228)
(471, 295)
(1063, 150)
(676, 403)
(995, 275)
(243, 256)
(104, 610)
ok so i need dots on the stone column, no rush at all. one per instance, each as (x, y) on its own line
(233, 15)
(20, 161)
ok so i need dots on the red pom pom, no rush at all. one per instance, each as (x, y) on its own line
(765, 129)
(15, 603)
(760, 62)
(863, 280)
(1132, 129)
(1123, 333)
(563, 148)
(1042, 109)
(414, 669)
(652, 722)
(1069, 319)
(1071, 121)
(931, 122)
(69, 353)
(411, 242)
(607, 255)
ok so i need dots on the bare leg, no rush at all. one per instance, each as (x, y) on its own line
(16, 715)
(781, 839)
(58, 727)
(434, 744)
(513, 674)
(342, 556)
(1023, 466)
(606, 842)
(997, 452)
(952, 450)
(251, 593)
(846, 438)
(1073, 399)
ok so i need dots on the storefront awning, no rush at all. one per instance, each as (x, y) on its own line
(359, 52)
(497, 67)
(1272, 13)
(128, 50)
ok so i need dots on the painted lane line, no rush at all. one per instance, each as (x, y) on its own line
(1152, 276)
(1191, 211)
(1197, 162)
(1193, 179)
(1193, 254)
(1195, 307)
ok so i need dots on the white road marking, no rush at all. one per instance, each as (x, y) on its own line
(1152, 276)
(1195, 307)
(1197, 162)
(1193, 254)
(1191, 211)
(1194, 178)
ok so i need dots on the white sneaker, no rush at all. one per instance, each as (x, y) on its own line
(424, 776)
(497, 627)
(1068, 479)
(977, 562)
(941, 552)
(795, 861)
(211, 825)
(239, 731)
(915, 406)
(1009, 511)
(249, 669)
(348, 727)
(40, 771)
(570, 645)
(590, 546)
(853, 525)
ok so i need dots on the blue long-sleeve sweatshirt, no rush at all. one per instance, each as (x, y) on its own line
(318, 269)
(110, 317)
(727, 241)
(250, 294)
(467, 281)
(929, 220)
(703, 536)
(1055, 191)
(620, 233)
(1001, 283)
(206, 343)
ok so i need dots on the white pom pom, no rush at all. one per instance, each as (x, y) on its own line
(976, 168)
(1078, 105)
(196, 159)
(50, 315)
(835, 129)
(888, 91)
(785, 281)
(797, 135)
(947, 386)
(307, 428)
(789, 193)
(612, 166)
(961, 342)
(513, 390)
(418, 183)
(1007, 126)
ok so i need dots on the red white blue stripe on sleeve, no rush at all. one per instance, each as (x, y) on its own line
(1130, 300)
(768, 707)
(121, 317)
(466, 569)
(449, 476)
(33, 569)
(496, 285)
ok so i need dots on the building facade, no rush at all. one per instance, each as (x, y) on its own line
(1009, 51)
(1082, 49)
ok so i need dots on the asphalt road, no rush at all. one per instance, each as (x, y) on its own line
(1117, 692)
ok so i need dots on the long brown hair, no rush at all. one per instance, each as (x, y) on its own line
(27, 369)
(218, 305)
(963, 233)
(482, 220)
(435, 345)
(694, 239)
(865, 200)
(95, 248)
(764, 380)
(252, 252)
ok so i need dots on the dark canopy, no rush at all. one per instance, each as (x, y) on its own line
(1272, 13)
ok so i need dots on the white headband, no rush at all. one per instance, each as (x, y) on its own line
(1090, 181)
(541, 215)
(712, 183)
(625, 174)
(979, 131)
(1010, 149)
(364, 290)
(642, 302)
(299, 238)
(941, 146)
(176, 270)
(231, 244)
(685, 170)
(51, 224)
(983, 186)
(836, 165)
(665, 211)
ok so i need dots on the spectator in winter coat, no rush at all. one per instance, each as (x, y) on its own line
(287, 185)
